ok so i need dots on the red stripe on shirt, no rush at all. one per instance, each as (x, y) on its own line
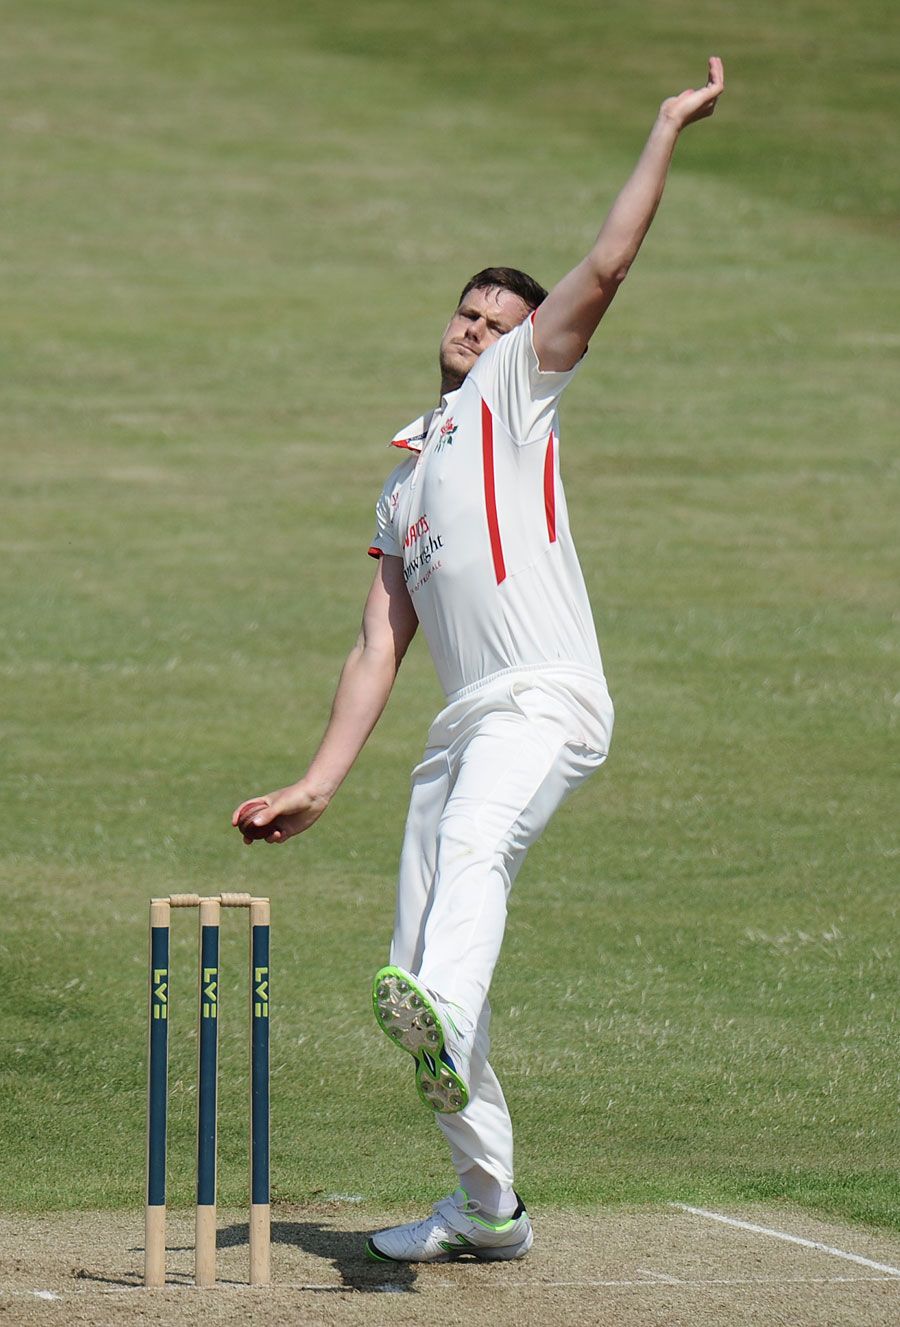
(490, 497)
(550, 491)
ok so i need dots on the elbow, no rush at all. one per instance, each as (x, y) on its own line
(380, 656)
(610, 275)
(610, 260)
(384, 655)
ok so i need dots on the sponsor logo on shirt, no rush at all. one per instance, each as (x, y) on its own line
(415, 531)
(421, 544)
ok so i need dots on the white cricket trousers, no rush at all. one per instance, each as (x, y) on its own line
(499, 760)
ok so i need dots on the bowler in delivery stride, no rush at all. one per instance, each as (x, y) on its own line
(472, 540)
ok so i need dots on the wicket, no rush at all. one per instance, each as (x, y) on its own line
(207, 1079)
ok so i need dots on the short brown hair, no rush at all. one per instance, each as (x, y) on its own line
(507, 278)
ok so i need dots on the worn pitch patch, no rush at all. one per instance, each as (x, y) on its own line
(634, 1267)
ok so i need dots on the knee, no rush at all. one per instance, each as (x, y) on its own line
(463, 845)
(459, 838)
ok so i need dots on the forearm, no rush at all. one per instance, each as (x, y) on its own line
(365, 684)
(568, 317)
(633, 211)
(389, 624)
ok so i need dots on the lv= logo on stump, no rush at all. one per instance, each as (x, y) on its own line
(207, 1085)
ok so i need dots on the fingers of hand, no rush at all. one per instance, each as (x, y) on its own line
(252, 835)
(251, 830)
(246, 809)
(256, 821)
(716, 78)
(699, 105)
(263, 813)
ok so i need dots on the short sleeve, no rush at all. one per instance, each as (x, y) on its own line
(516, 388)
(385, 540)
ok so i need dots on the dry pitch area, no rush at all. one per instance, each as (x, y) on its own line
(628, 1268)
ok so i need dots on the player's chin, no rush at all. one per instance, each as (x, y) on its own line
(456, 365)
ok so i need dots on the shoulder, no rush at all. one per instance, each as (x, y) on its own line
(401, 470)
(390, 489)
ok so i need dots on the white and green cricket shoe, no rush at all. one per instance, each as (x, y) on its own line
(436, 1034)
(455, 1230)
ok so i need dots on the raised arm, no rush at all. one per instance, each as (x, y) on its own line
(389, 624)
(568, 317)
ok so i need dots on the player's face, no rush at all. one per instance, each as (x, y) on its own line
(482, 318)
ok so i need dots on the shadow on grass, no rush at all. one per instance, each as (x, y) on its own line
(344, 1249)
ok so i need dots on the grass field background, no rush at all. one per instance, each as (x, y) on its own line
(232, 235)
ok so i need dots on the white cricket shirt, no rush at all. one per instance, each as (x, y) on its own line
(477, 512)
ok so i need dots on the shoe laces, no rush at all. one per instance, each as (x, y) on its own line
(458, 1017)
(450, 1205)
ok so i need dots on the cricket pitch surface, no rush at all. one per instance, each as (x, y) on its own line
(624, 1267)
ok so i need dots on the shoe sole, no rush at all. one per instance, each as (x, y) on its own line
(501, 1253)
(406, 1015)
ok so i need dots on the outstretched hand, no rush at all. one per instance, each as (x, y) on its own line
(278, 816)
(692, 104)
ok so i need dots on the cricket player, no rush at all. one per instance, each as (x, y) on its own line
(472, 540)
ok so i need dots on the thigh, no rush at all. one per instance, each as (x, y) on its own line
(513, 773)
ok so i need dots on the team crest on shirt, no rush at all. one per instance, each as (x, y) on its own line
(445, 437)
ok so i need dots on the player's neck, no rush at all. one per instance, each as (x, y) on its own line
(451, 382)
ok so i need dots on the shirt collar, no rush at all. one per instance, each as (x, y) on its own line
(412, 438)
(414, 435)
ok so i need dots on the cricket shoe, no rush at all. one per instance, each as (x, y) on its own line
(455, 1230)
(436, 1034)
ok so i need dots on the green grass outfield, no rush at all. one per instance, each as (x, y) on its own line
(232, 234)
